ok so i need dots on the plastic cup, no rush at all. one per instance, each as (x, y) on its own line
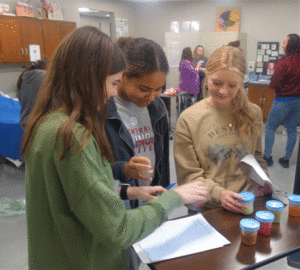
(275, 207)
(294, 205)
(248, 200)
(249, 228)
(265, 219)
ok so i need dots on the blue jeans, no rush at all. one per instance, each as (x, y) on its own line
(287, 111)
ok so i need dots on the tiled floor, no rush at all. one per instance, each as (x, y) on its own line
(13, 237)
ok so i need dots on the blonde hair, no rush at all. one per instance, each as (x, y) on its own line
(233, 59)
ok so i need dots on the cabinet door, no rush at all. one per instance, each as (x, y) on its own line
(255, 95)
(32, 34)
(11, 42)
(52, 37)
(268, 101)
(66, 28)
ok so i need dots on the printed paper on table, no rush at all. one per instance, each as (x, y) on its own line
(193, 233)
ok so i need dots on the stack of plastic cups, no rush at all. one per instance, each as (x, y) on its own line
(275, 207)
(249, 228)
(265, 219)
(248, 200)
(294, 205)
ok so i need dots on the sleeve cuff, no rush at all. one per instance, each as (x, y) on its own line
(169, 200)
(215, 194)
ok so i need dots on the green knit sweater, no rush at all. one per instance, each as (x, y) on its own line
(75, 219)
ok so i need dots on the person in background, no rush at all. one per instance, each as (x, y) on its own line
(213, 135)
(200, 62)
(286, 105)
(28, 85)
(137, 120)
(75, 219)
(188, 79)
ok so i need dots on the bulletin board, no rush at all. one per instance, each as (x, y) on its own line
(266, 57)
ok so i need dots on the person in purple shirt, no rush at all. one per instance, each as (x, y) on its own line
(188, 79)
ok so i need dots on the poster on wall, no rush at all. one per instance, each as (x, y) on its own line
(266, 57)
(122, 27)
(228, 19)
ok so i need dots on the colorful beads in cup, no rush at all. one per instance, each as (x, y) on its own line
(248, 200)
(294, 205)
(249, 228)
(265, 219)
(275, 207)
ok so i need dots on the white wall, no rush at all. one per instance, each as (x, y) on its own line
(261, 20)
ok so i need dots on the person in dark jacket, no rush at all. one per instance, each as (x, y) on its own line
(137, 121)
(286, 105)
(28, 85)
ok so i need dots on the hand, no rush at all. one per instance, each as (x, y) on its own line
(137, 167)
(263, 190)
(146, 193)
(194, 192)
(199, 63)
(229, 201)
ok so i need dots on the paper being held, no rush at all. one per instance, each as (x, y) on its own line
(259, 176)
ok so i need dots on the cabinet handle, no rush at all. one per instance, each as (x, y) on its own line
(260, 100)
(26, 51)
(264, 100)
(22, 51)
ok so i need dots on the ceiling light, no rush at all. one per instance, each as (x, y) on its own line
(84, 9)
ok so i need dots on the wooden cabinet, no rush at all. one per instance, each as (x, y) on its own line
(17, 33)
(52, 37)
(10, 40)
(66, 28)
(263, 96)
(54, 32)
(32, 34)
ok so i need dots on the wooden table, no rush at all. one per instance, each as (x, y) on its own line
(283, 241)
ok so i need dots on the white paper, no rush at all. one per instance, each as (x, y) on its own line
(178, 238)
(261, 52)
(268, 51)
(259, 70)
(259, 58)
(122, 27)
(259, 176)
(275, 53)
(273, 47)
(266, 58)
(34, 52)
(265, 46)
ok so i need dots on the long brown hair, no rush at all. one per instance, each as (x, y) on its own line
(75, 81)
(234, 59)
(187, 54)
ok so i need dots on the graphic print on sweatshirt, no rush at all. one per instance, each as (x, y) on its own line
(138, 123)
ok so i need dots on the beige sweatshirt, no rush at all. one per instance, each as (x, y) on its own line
(207, 147)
